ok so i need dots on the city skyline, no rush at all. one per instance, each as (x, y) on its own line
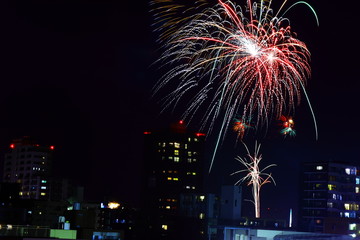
(78, 76)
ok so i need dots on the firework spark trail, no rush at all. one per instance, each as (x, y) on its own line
(249, 66)
(254, 176)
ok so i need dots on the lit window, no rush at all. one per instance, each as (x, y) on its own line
(195, 139)
(187, 187)
(186, 146)
(352, 226)
(192, 187)
(350, 171)
(169, 178)
(347, 206)
(175, 179)
(176, 159)
(357, 189)
(43, 187)
(165, 227)
(20, 193)
(189, 139)
(194, 173)
(330, 205)
(43, 181)
(189, 160)
(331, 187)
(177, 145)
(202, 215)
(347, 214)
(42, 194)
(168, 207)
(176, 152)
(189, 154)
(202, 198)
(319, 168)
(357, 180)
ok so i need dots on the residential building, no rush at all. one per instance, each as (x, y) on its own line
(173, 160)
(330, 198)
(29, 164)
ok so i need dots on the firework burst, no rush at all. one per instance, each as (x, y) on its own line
(255, 176)
(236, 62)
(239, 127)
(287, 126)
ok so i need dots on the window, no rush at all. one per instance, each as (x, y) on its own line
(177, 145)
(319, 168)
(352, 226)
(331, 187)
(176, 152)
(165, 227)
(357, 180)
(176, 159)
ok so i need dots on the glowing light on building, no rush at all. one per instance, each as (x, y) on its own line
(113, 205)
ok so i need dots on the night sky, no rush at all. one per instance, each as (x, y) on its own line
(76, 74)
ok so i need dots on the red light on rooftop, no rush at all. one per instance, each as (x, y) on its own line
(181, 121)
(12, 146)
(52, 147)
(147, 133)
(200, 134)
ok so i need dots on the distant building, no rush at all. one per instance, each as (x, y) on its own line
(29, 164)
(174, 180)
(330, 198)
(231, 198)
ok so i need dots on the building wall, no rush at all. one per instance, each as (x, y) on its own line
(231, 197)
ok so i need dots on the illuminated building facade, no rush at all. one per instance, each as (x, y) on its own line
(330, 198)
(29, 164)
(174, 177)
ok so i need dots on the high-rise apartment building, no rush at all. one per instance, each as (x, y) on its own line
(330, 198)
(174, 177)
(29, 164)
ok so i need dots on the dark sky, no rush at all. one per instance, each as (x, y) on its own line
(77, 74)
